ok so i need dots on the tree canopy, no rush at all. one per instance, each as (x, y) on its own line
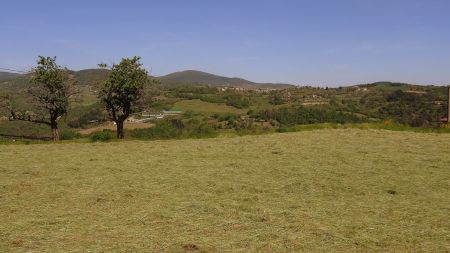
(50, 89)
(122, 90)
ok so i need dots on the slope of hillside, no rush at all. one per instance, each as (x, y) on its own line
(91, 77)
(15, 84)
(203, 78)
(87, 77)
(319, 191)
(86, 83)
(94, 77)
(7, 75)
(198, 77)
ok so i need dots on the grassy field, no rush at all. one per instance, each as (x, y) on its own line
(206, 108)
(342, 190)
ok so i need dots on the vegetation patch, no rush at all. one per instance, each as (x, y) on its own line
(307, 115)
(105, 135)
(207, 108)
(175, 129)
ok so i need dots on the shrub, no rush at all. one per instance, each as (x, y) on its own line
(174, 129)
(69, 135)
(276, 99)
(238, 101)
(105, 135)
(227, 117)
(189, 114)
(308, 115)
(162, 130)
(202, 130)
(93, 114)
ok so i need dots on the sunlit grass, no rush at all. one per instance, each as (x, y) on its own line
(342, 190)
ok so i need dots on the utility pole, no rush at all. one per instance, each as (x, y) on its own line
(448, 106)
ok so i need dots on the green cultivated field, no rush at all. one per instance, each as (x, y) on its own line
(345, 190)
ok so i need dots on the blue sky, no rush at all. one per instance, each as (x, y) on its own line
(310, 42)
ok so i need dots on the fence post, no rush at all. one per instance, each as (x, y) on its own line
(448, 106)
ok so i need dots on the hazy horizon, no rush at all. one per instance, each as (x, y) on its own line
(325, 43)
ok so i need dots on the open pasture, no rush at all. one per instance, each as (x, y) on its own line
(345, 190)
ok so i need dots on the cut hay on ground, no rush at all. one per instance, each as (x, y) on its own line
(319, 191)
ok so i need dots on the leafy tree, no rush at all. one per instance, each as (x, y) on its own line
(50, 89)
(411, 109)
(276, 99)
(238, 101)
(122, 90)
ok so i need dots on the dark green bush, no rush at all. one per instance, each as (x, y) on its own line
(202, 130)
(175, 129)
(238, 101)
(105, 135)
(162, 130)
(83, 118)
(294, 115)
(69, 135)
(276, 99)
(227, 117)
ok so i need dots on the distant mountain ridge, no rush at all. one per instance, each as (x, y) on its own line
(94, 77)
(194, 77)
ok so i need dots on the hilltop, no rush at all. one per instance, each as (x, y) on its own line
(193, 77)
(93, 77)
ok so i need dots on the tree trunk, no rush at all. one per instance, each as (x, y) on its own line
(120, 134)
(55, 131)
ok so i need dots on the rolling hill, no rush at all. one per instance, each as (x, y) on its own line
(194, 77)
(7, 76)
(93, 77)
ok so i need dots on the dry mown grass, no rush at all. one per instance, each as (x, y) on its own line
(328, 190)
